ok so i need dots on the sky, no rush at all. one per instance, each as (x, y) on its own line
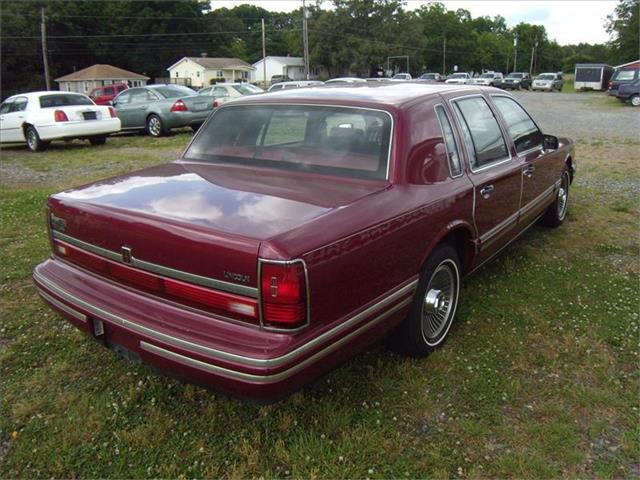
(566, 21)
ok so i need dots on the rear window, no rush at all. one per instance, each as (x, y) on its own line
(174, 91)
(246, 89)
(63, 100)
(624, 75)
(547, 76)
(588, 74)
(330, 140)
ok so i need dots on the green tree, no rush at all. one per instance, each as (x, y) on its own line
(624, 27)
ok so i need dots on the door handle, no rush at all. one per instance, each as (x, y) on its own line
(528, 172)
(486, 191)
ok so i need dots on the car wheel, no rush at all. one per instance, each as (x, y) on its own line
(434, 305)
(98, 140)
(557, 211)
(33, 140)
(635, 100)
(155, 126)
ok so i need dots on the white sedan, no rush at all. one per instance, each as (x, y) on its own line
(37, 118)
(459, 79)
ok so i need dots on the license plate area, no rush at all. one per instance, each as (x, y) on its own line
(199, 106)
(89, 115)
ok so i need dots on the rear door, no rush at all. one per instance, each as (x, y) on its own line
(11, 121)
(495, 174)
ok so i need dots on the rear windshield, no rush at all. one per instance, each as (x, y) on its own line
(246, 89)
(515, 75)
(174, 91)
(63, 100)
(488, 75)
(624, 75)
(547, 76)
(459, 75)
(341, 141)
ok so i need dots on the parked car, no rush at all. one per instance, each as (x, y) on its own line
(630, 92)
(621, 77)
(157, 109)
(517, 81)
(295, 84)
(346, 80)
(38, 118)
(280, 78)
(401, 76)
(548, 82)
(105, 94)
(459, 78)
(224, 92)
(432, 77)
(295, 231)
(489, 79)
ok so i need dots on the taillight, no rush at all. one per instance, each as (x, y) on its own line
(112, 112)
(216, 300)
(179, 106)
(60, 116)
(610, 84)
(283, 294)
(216, 104)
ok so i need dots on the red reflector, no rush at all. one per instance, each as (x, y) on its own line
(112, 112)
(86, 259)
(60, 116)
(135, 277)
(283, 293)
(211, 298)
(179, 106)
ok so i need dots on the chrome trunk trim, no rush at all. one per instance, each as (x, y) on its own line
(251, 292)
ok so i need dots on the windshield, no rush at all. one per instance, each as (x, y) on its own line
(487, 75)
(174, 91)
(340, 141)
(64, 100)
(459, 75)
(515, 75)
(247, 89)
(547, 76)
(428, 76)
(623, 75)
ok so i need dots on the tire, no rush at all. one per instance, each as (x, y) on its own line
(97, 140)
(195, 128)
(635, 100)
(155, 127)
(33, 140)
(439, 288)
(557, 211)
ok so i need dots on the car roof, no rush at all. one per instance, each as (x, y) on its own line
(33, 95)
(375, 94)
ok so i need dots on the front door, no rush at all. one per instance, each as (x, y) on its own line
(539, 167)
(494, 172)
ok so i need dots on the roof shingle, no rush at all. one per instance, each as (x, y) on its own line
(101, 72)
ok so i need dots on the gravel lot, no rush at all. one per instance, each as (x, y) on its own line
(582, 115)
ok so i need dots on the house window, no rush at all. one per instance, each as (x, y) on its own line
(220, 74)
(177, 74)
(198, 74)
(87, 85)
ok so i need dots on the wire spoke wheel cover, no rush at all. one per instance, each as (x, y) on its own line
(155, 126)
(563, 196)
(440, 302)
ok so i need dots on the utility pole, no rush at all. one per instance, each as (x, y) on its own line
(43, 34)
(533, 51)
(515, 53)
(444, 56)
(305, 38)
(264, 58)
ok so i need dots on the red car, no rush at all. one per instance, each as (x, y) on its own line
(298, 227)
(105, 94)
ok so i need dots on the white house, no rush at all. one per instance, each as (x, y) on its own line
(85, 80)
(199, 71)
(292, 67)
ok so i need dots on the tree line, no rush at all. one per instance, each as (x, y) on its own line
(354, 36)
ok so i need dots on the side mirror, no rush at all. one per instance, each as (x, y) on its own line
(550, 142)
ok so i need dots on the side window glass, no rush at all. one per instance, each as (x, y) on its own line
(108, 91)
(220, 92)
(449, 142)
(6, 107)
(483, 137)
(123, 98)
(19, 105)
(139, 96)
(524, 132)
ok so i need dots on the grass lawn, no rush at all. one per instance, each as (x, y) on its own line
(539, 377)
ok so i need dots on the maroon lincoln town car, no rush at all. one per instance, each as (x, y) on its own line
(299, 227)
